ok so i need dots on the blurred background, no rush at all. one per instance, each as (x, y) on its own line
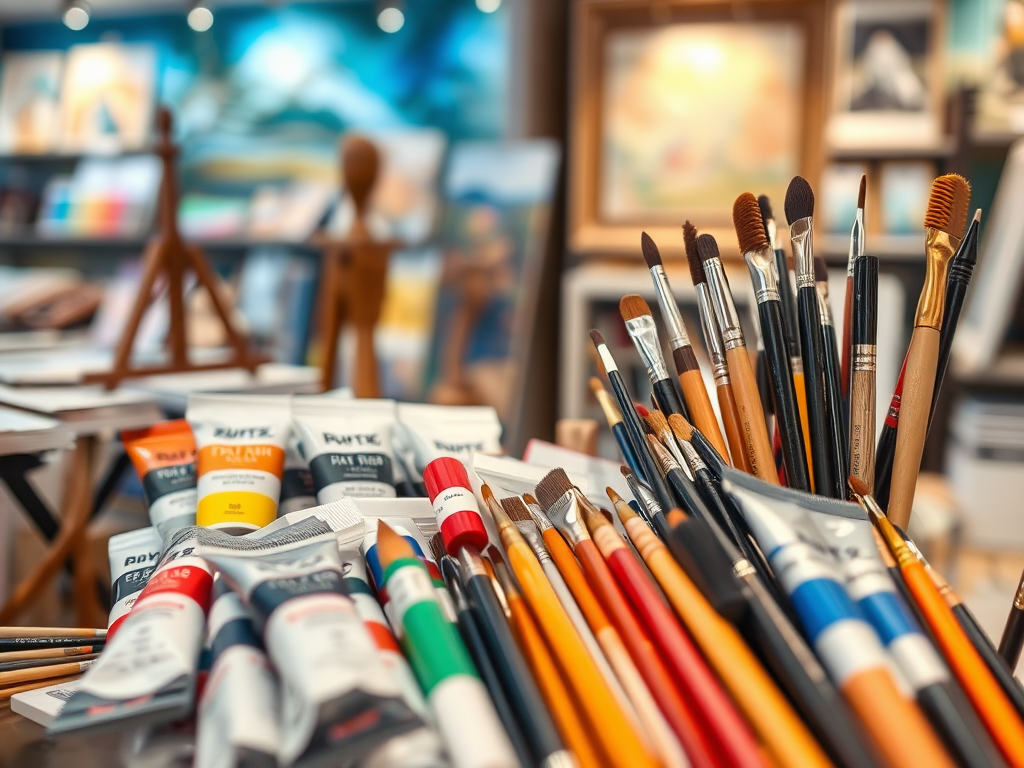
(523, 145)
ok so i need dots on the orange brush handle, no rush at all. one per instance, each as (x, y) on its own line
(801, 404)
(989, 701)
(737, 446)
(549, 680)
(751, 415)
(607, 721)
(701, 413)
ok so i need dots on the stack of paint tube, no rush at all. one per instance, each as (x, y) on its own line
(443, 606)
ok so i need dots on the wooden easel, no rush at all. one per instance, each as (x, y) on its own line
(354, 275)
(167, 253)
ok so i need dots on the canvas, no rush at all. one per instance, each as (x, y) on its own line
(29, 91)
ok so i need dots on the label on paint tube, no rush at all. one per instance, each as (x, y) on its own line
(164, 456)
(338, 698)
(452, 501)
(147, 672)
(133, 558)
(348, 443)
(297, 489)
(449, 430)
(238, 716)
(240, 461)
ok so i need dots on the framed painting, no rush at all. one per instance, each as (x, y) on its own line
(678, 107)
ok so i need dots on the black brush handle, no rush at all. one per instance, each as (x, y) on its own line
(1012, 641)
(956, 294)
(834, 403)
(787, 414)
(667, 398)
(957, 724)
(788, 300)
(825, 482)
(996, 664)
(885, 453)
(695, 547)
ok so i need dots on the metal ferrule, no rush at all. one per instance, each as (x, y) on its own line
(712, 335)
(692, 457)
(644, 495)
(856, 242)
(1018, 599)
(797, 364)
(864, 357)
(677, 335)
(542, 520)
(939, 250)
(470, 562)
(763, 274)
(666, 460)
(565, 515)
(529, 531)
(742, 568)
(803, 252)
(824, 308)
(611, 412)
(725, 310)
(606, 358)
(644, 334)
(560, 759)
(773, 234)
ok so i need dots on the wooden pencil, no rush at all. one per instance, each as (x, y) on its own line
(8, 691)
(13, 632)
(50, 653)
(43, 673)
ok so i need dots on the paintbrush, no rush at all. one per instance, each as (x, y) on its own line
(944, 221)
(862, 390)
(695, 394)
(748, 399)
(1012, 640)
(632, 422)
(834, 396)
(661, 431)
(641, 329)
(746, 217)
(824, 462)
(716, 352)
(613, 416)
(856, 252)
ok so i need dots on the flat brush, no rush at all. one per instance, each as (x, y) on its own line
(641, 329)
(856, 252)
(864, 314)
(695, 394)
(748, 399)
(1012, 640)
(945, 221)
(613, 416)
(834, 396)
(824, 459)
(632, 422)
(760, 258)
(716, 353)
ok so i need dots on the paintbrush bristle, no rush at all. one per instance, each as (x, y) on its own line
(765, 204)
(596, 386)
(642, 412)
(947, 205)
(862, 192)
(799, 200)
(650, 251)
(516, 509)
(530, 499)
(707, 248)
(658, 422)
(692, 257)
(391, 545)
(596, 337)
(612, 494)
(858, 486)
(436, 545)
(633, 306)
(495, 555)
(626, 471)
(820, 270)
(746, 217)
(681, 428)
(552, 486)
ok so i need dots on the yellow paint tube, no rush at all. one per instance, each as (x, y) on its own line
(240, 450)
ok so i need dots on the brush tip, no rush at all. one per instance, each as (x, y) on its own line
(642, 412)
(799, 200)
(681, 428)
(633, 306)
(765, 204)
(858, 487)
(749, 224)
(947, 205)
(820, 270)
(495, 555)
(658, 421)
(596, 337)
(862, 192)
(612, 494)
(530, 499)
(552, 487)
(515, 508)
(707, 248)
(650, 251)
(626, 471)
(595, 385)
(692, 258)
(977, 216)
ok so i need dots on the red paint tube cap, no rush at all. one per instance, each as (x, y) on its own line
(455, 505)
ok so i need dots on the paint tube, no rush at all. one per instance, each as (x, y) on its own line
(42, 705)
(297, 490)
(348, 443)
(237, 723)
(147, 672)
(133, 558)
(338, 698)
(164, 457)
(240, 461)
(449, 430)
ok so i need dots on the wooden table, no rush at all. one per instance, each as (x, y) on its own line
(23, 744)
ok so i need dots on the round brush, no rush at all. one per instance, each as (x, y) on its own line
(614, 419)
(944, 221)
(862, 388)
(644, 333)
(833, 394)
(756, 250)
(856, 252)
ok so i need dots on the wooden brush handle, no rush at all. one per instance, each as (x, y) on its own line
(751, 415)
(915, 406)
(801, 404)
(862, 428)
(737, 447)
(701, 412)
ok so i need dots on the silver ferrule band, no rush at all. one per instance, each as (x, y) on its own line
(677, 336)
(644, 334)
(712, 334)
(856, 241)
(692, 457)
(864, 357)
(764, 275)
(824, 308)
(773, 234)
(725, 310)
(803, 252)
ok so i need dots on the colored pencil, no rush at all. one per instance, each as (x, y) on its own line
(7, 692)
(465, 716)
(51, 653)
(50, 632)
(10, 666)
(43, 673)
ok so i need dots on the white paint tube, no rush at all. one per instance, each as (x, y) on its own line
(147, 672)
(297, 489)
(133, 557)
(449, 430)
(338, 698)
(348, 444)
(240, 446)
(237, 722)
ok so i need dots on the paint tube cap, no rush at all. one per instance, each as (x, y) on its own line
(455, 505)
